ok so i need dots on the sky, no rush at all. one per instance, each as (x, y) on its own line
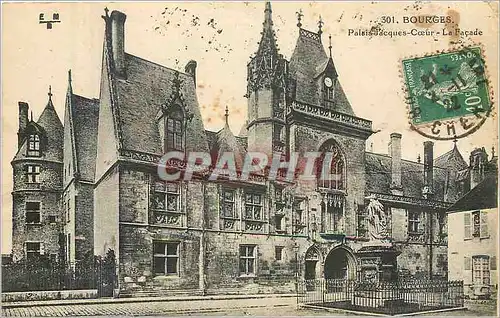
(221, 37)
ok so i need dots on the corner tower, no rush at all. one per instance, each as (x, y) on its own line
(266, 83)
(37, 171)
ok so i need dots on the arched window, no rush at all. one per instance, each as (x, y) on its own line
(171, 127)
(331, 167)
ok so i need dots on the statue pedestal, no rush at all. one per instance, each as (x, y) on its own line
(377, 275)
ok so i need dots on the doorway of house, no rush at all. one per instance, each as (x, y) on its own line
(311, 268)
(340, 264)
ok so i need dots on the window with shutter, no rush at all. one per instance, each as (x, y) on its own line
(467, 263)
(493, 263)
(483, 224)
(476, 224)
(467, 226)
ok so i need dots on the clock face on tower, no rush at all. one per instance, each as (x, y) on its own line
(328, 82)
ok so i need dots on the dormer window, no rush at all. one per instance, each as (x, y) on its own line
(328, 92)
(34, 145)
(171, 127)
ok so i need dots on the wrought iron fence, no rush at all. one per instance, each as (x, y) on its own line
(95, 273)
(383, 297)
(30, 277)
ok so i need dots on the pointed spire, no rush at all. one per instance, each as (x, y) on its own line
(267, 33)
(299, 18)
(320, 25)
(330, 44)
(31, 116)
(268, 19)
(227, 116)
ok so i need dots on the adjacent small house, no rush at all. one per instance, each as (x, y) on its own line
(473, 243)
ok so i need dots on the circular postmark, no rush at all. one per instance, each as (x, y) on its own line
(447, 93)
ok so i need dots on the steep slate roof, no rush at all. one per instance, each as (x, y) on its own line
(307, 56)
(85, 114)
(482, 196)
(378, 176)
(452, 158)
(54, 130)
(50, 127)
(225, 141)
(139, 99)
(308, 62)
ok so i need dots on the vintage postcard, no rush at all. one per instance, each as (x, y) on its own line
(250, 158)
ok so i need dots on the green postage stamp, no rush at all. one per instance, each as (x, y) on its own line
(447, 93)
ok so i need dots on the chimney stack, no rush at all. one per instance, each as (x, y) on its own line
(190, 69)
(23, 122)
(395, 152)
(478, 160)
(428, 167)
(118, 41)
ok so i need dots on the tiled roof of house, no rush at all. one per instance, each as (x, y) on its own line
(378, 176)
(140, 97)
(482, 196)
(85, 122)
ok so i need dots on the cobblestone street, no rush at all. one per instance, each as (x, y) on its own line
(233, 307)
(155, 308)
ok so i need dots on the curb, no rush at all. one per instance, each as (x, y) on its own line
(137, 300)
(365, 313)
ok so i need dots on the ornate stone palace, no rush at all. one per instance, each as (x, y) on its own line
(91, 185)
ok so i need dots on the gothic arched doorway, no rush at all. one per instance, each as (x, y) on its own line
(312, 269)
(340, 264)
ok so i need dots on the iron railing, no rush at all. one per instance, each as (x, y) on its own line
(25, 276)
(398, 297)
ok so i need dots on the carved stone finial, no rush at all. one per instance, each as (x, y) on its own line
(106, 14)
(330, 44)
(419, 159)
(50, 92)
(227, 116)
(492, 151)
(299, 18)
(320, 25)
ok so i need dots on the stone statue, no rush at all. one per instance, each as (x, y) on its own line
(377, 220)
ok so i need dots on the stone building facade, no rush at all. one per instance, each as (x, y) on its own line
(247, 236)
